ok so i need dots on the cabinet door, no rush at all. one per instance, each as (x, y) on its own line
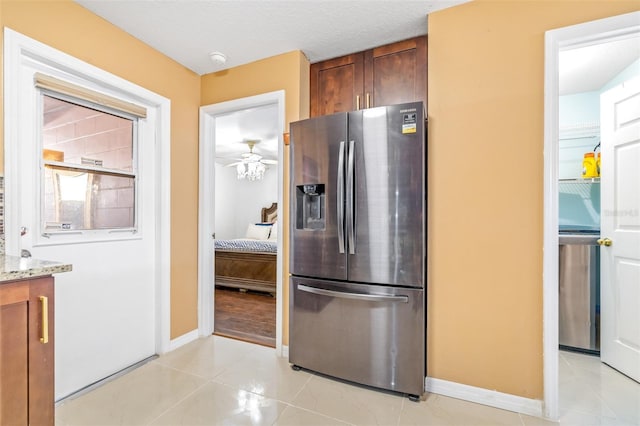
(41, 352)
(396, 73)
(14, 358)
(336, 85)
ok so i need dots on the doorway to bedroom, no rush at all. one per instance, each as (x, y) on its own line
(241, 148)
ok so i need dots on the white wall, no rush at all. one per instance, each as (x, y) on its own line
(579, 116)
(239, 202)
(224, 209)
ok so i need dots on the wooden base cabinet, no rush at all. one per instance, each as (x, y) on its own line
(26, 352)
(386, 75)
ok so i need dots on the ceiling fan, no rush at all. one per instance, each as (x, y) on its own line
(251, 157)
(251, 166)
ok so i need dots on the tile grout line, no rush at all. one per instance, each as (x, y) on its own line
(288, 404)
(311, 376)
(178, 402)
(522, 423)
(303, 386)
(171, 367)
(320, 414)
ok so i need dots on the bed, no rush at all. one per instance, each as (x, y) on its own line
(250, 263)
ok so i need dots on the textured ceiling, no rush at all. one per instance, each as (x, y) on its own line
(234, 130)
(248, 30)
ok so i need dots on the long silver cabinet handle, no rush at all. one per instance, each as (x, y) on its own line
(351, 214)
(355, 296)
(340, 201)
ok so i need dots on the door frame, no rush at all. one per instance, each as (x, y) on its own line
(206, 212)
(19, 48)
(589, 33)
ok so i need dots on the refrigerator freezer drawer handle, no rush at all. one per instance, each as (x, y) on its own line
(340, 201)
(355, 296)
(351, 214)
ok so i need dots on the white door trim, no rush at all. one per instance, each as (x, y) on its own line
(589, 33)
(18, 49)
(206, 220)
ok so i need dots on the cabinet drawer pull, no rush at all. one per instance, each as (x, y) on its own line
(368, 101)
(357, 102)
(44, 302)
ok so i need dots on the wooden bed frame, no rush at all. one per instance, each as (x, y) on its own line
(248, 270)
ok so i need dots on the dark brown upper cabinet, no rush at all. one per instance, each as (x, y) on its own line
(386, 75)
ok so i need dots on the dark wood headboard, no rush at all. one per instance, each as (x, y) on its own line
(269, 214)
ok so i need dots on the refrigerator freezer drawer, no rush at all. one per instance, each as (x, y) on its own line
(369, 334)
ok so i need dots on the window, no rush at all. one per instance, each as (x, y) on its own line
(89, 165)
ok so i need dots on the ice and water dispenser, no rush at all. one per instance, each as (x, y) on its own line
(310, 203)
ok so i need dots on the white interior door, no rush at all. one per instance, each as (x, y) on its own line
(106, 315)
(105, 307)
(620, 227)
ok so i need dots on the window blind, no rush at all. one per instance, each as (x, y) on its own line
(47, 82)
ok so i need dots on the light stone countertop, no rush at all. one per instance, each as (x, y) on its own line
(17, 268)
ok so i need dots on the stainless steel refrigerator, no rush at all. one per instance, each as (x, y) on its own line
(358, 247)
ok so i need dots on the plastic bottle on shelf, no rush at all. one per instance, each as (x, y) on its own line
(589, 167)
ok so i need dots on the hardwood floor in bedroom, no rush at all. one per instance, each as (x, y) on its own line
(248, 316)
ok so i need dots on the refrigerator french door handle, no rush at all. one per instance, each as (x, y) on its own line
(340, 201)
(351, 214)
(354, 296)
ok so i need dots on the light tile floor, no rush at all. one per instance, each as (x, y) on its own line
(592, 393)
(219, 381)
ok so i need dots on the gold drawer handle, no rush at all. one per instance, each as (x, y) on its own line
(44, 303)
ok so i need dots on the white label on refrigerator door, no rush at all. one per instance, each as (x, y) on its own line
(409, 123)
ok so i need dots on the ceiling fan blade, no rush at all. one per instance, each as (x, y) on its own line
(269, 161)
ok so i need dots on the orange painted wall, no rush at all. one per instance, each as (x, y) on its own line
(486, 88)
(288, 72)
(72, 29)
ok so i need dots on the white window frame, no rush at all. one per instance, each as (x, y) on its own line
(101, 82)
(92, 234)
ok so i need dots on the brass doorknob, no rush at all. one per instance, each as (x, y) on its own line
(604, 242)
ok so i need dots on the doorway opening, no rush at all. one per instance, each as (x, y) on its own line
(226, 272)
(557, 42)
(246, 215)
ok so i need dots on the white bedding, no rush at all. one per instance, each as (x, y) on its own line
(247, 244)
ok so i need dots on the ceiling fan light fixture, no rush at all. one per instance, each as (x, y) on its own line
(251, 170)
(251, 167)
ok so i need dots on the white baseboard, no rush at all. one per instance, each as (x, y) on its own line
(505, 401)
(183, 340)
(285, 351)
